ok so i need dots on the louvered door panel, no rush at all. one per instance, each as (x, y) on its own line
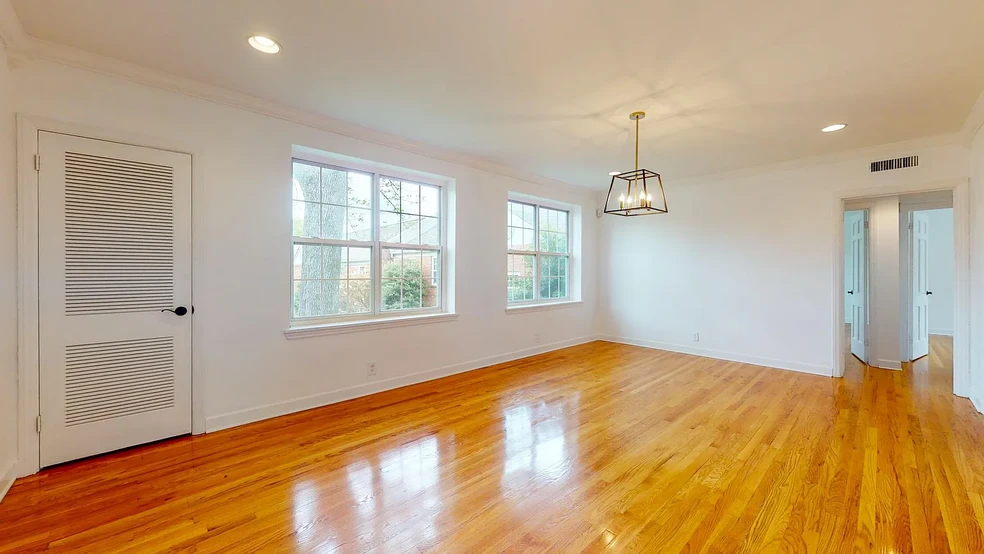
(119, 235)
(115, 255)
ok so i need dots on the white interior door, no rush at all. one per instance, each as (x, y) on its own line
(114, 254)
(920, 285)
(858, 287)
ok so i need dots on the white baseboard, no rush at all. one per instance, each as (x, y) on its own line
(250, 415)
(812, 369)
(7, 476)
(978, 402)
(887, 364)
(944, 332)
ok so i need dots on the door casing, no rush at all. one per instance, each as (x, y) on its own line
(961, 245)
(28, 126)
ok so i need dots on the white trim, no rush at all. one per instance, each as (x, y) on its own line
(893, 365)
(941, 332)
(366, 325)
(978, 403)
(541, 306)
(28, 126)
(249, 415)
(7, 477)
(800, 367)
(961, 247)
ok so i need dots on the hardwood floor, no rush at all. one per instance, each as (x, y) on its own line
(599, 447)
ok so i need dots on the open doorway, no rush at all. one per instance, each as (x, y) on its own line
(928, 275)
(899, 284)
(856, 283)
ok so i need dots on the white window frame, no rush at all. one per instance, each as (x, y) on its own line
(377, 314)
(537, 253)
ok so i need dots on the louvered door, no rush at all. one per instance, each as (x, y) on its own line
(114, 255)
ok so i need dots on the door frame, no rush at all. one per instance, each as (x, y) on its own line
(907, 205)
(28, 366)
(961, 249)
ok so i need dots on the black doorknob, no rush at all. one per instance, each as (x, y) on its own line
(929, 292)
(179, 311)
(850, 292)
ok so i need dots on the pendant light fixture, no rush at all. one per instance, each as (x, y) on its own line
(634, 192)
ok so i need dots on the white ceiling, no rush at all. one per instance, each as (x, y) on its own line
(546, 86)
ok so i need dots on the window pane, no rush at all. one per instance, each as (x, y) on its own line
(430, 201)
(360, 190)
(333, 293)
(334, 186)
(358, 224)
(392, 294)
(307, 219)
(410, 229)
(409, 198)
(553, 242)
(553, 276)
(430, 284)
(359, 263)
(332, 222)
(392, 263)
(307, 182)
(307, 298)
(520, 277)
(389, 227)
(389, 194)
(335, 262)
(412, 289)
(521, 215)
(430, 231)
(359, 296)
(307, 261)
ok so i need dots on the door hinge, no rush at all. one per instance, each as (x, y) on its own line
(39, 424)
(866, 342)
(910, 225)
(37, 162)
(865, 224)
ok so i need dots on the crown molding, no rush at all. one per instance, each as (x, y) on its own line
(32, 48)
(878, 151)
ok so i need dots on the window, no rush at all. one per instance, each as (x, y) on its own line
(364, 244)
(538, 253)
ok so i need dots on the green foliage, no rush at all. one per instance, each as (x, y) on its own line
(402, 291)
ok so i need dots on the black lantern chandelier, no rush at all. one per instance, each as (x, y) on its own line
(630, 192)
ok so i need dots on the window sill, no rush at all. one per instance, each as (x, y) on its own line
(523, 308)
(365, 325)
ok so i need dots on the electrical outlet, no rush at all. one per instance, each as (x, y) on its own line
(696, 337)
(372, 369)
(536, 338)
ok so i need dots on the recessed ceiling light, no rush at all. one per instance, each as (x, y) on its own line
(833, 128)
(613, 173)
(264, 44)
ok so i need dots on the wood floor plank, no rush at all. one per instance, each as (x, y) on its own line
(598, 447)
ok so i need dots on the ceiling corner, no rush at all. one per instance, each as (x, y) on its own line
(975, 120)
(12, 33)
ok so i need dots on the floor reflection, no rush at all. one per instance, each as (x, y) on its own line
(536, 443)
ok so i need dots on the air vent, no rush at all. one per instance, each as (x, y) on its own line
(897, 163)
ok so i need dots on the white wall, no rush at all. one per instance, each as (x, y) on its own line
(746, 260)
(885, 292)
(849, 218)
(977, 269)
(242, 292)
(8, 281)
(941, 276)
